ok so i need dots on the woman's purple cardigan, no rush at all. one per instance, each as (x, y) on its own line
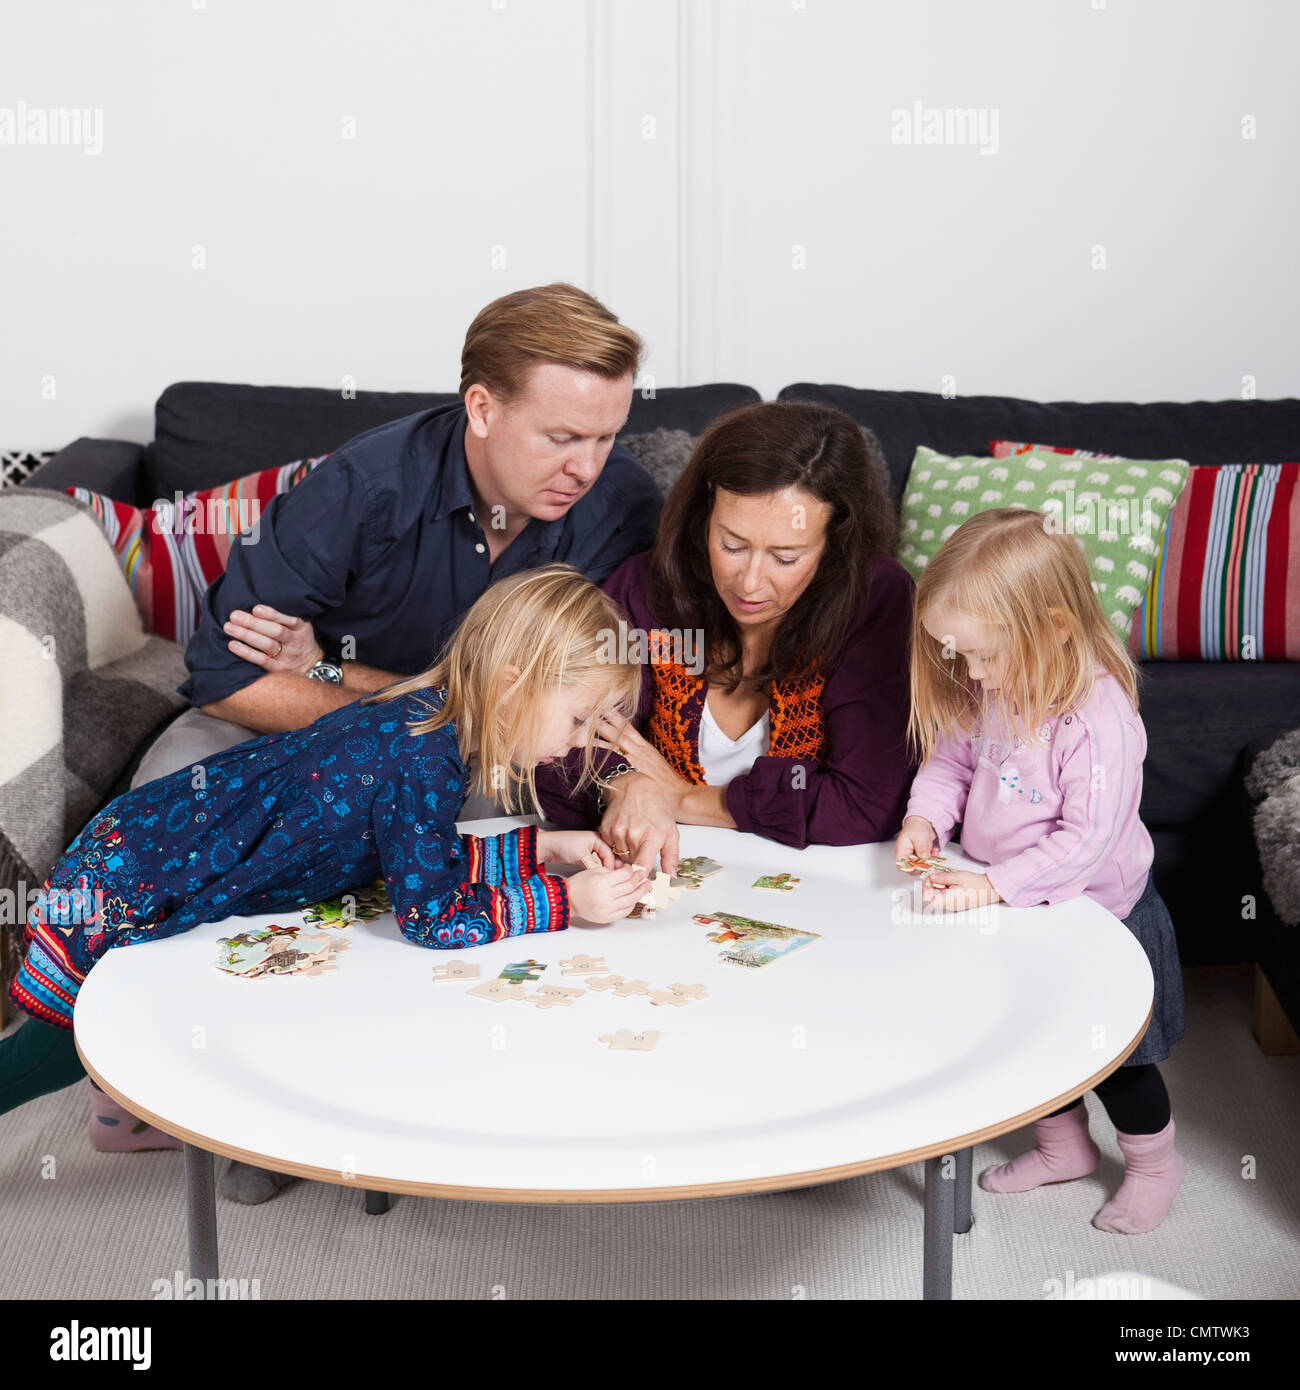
(857, 795)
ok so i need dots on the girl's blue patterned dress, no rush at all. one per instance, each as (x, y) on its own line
(279, 822)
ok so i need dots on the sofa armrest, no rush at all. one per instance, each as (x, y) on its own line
(111, 466)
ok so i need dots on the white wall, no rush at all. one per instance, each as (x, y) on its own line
(295, 192)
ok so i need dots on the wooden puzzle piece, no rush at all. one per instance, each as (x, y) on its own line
(523, 972)
(662, 892)
(679, 995)
(554, 996)
(922, 863)
(499, 991)
(643, 909)
(604, 982)
(625, 1040)
(666, 996)
(315, 971)
(692, 872)
(456, 970)
(776, 883)
(629, 987)
(584, 965)
(592, 860)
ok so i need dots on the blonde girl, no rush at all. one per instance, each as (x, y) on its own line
(373, 787)
(1024, 713)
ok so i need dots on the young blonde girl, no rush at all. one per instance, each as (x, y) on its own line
(1024, 712)
(292, 818)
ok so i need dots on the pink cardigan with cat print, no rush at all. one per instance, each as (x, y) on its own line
(1053, 820)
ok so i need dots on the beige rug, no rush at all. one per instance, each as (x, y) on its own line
(109, 1225)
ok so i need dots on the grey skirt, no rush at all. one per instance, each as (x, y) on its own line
(1151, 923)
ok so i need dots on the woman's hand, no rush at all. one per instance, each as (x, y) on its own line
(916, 837)
(569, 847)
(958, 890)
(274, 641)
(605, 895)
(643, 755)
(641, 823)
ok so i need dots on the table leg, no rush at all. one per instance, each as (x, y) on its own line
(962, 1218)
(200, 1183)
(936, 1270)
(377, 1203)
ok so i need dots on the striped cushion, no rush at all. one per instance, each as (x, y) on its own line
(171, 552)
(1226, 582)
(1226, 586)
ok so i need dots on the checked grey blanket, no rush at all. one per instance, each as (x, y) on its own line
(82, 687)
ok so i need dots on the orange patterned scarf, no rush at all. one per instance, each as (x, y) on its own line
(797, 727)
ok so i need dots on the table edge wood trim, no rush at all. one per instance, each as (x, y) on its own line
(685, 1192)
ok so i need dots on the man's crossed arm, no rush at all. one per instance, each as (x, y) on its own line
(285, 698)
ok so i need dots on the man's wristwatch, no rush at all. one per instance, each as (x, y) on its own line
(326, 670)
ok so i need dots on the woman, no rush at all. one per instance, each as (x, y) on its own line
(775, 697)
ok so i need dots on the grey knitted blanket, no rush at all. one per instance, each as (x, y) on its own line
(82, 685)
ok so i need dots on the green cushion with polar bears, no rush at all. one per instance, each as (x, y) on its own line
(1117, 507)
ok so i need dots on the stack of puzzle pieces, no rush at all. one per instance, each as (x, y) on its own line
(278, 950)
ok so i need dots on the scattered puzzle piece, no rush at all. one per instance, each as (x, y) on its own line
(584, 965)
(776, 883)
(554, 996)
(692, 872)
(666, 996)
(679, 995)
(689, 991)
(630, 987)
(521, 972)
(662, 892)
(456, 970)
(922, 863)
(625, 1040)
(499, 991)
(643, 909)
(361, 904)
(604, 982)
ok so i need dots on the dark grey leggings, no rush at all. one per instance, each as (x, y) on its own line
(1135, 1099)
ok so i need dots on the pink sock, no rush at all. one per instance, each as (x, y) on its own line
(114, 1130)
(1064, 1150)
(1153, 1172)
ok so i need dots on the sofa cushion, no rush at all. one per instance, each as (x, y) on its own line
(170, 555)
(1117, 508)
(1226, 583)
(1199, 431)
(206, 433)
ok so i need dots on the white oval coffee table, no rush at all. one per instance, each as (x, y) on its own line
(900, 1036)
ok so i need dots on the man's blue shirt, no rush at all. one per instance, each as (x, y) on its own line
(381, 543)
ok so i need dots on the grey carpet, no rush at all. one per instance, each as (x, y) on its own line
(108, 1225)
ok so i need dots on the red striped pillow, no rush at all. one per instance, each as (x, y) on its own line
(171, 552)
(1226, 581)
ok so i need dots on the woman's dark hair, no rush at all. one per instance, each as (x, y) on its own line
(763, 448)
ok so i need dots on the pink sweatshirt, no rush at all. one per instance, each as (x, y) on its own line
(1051, 821)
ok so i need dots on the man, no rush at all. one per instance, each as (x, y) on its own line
(362, 571)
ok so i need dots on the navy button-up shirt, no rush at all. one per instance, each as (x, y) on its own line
(381, 543)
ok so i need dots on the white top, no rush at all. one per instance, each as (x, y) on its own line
(723, 758)
(896, 1031)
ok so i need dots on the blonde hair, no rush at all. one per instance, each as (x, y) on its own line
(1004, 568)
(553, 323)
(556, 629)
